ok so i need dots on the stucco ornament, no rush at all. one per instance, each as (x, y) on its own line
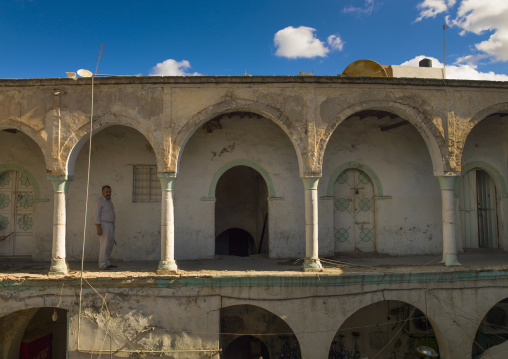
(4, 200)
(26, 200)
(4, 222)
(342, 235)
(366, 235)
(25, 222)
(25, 181)
(4, 179)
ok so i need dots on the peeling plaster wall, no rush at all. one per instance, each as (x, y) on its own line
(164, 314)
(410, 221)
(255, 139)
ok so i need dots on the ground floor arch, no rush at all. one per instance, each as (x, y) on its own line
(241, 212)
(259, 331)
(389, 328)
(491, 339)
(35, 333)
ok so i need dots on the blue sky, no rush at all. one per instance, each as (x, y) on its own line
(44, 39)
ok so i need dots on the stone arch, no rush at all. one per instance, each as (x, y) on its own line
(241, 162)
(279, 326)
(390, 298)
(273, 114)
(34, 135)
(475, 120)
(433, 139)
(483, 310)
(74, 146)
(378, 186)
(493, 172)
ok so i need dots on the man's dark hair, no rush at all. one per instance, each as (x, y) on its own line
(106, 186)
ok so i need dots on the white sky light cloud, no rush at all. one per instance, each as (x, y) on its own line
(460, 72)
(366, 10)
(296, 42)
(478, 17)
(172, 67)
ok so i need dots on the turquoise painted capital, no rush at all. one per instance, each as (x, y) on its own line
(167, 180)
(310, 183)
(447, 182)
(60, 183)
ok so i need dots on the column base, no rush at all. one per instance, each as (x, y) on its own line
(167, 267)
(450, 259)
(58, 267)
(312, 265)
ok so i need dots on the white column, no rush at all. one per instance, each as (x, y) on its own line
(58, 263)
(447, 184)
(311, 262)
(167, 264)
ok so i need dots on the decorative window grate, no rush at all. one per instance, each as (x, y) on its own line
(146, 186)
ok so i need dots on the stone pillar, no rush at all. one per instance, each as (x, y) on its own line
(311, 262)
(167, 264)
(58, 263)
(447, 184)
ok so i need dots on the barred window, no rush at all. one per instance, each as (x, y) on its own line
(146, 186)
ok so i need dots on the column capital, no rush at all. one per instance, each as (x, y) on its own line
(310, 182)
(447, 182)
(167, 180)
(60, 183)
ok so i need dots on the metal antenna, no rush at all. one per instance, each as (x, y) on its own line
(444, 49)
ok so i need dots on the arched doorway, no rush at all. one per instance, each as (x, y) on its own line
(248, 347)
(248, 331)
(241, 213)
(478, 210)
(354, 212)
(384, 329)
(491, 340)
(16, 213)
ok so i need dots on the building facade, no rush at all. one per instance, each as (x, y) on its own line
(270, 166)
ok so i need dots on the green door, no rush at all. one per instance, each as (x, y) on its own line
(354, 212)
(477, 210)
(16, 214)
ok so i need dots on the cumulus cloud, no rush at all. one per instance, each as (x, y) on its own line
(366, 10)
(335, 42)
(478, 17)
(459, 71)
(294, 42)
(431, 8)
(172, 67)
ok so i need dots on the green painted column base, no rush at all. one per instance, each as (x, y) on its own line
(167, 267)
(312, 265)
(450, 259)
(58, 267)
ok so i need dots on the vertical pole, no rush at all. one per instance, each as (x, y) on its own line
(447, 184)
(311, 262)
(58, 262)
(167, 264)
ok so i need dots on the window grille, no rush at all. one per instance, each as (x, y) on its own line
(146, 186)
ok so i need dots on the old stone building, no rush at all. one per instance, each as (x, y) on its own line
(271, 169)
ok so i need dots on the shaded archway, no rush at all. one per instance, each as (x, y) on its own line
(382, 329)
(257, 327)
(248, 347)
(241, 212)
(36, 331)
(491, 339)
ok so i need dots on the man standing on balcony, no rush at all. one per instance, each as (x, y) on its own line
(105, 224)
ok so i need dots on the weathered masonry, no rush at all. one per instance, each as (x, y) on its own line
(276, 166)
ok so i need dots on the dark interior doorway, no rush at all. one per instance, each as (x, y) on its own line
(241, 213)
(248, 347)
